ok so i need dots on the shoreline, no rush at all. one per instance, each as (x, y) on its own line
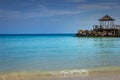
(83, 74)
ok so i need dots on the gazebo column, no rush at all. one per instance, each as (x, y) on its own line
(111, 24)
(108, 25)
(102, 24)
(105, 24)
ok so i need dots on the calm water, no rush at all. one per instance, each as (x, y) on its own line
(57, 52)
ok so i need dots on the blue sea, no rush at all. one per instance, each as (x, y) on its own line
(53, 52)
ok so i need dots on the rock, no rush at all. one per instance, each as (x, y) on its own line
(97, 33)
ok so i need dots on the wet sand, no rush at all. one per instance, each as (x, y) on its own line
(101, 77)
(94, 75)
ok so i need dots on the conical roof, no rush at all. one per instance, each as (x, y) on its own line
(106, 18)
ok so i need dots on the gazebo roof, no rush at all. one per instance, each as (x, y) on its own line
(106, 18)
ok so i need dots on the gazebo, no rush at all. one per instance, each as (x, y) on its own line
(106, 22)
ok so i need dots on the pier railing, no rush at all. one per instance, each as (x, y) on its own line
(112, 27)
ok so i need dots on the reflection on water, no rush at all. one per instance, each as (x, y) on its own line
(106, 43)
(104, 51)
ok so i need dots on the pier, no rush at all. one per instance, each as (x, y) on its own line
(106, 28)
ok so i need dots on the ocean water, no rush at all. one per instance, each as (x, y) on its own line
(57, 52)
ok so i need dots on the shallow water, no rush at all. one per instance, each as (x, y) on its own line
(56, 52)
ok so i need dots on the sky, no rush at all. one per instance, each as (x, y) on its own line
(54, 16)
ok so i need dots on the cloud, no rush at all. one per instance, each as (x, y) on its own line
(8, 13)
(76, 1)
(31, 9)
(37, 13)
(49, 13)
(99, 6)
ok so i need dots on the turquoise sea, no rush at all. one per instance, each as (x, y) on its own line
(52, 52)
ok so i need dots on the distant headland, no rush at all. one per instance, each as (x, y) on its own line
(106, 28)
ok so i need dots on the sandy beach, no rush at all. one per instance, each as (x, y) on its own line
(95, 77)
(113, 74)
